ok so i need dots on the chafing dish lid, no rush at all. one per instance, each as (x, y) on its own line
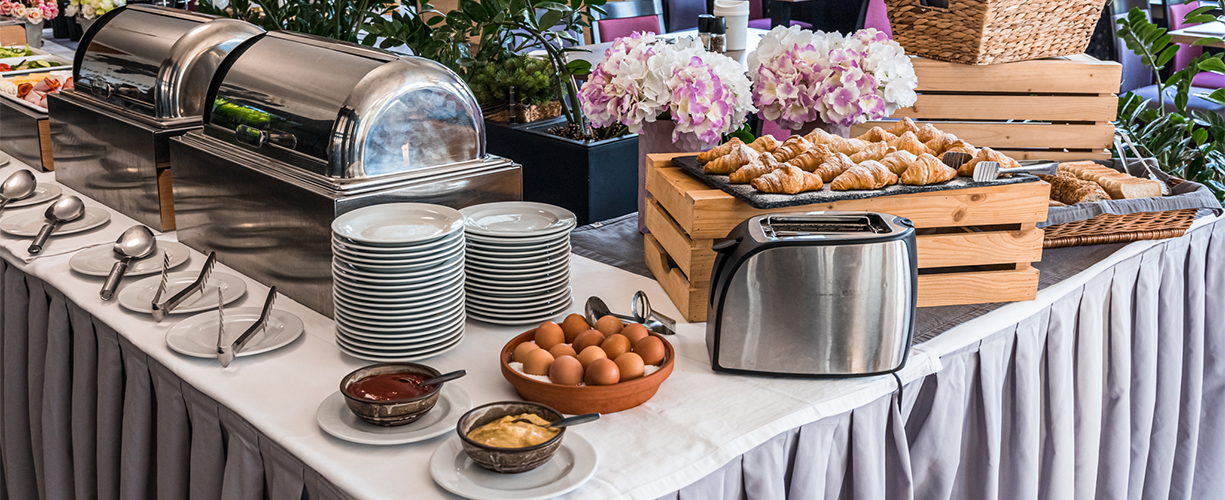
(342, 111)
(156, 61)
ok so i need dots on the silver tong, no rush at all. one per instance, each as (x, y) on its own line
(642, 313)
(986, 171)
(161, 308)
(955, 159)
(226, 352)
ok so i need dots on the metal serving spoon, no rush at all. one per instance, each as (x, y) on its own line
(65, 210)
(137, 242)
(568, 421)
(18, 186)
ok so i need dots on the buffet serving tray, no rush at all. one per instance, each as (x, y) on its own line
(65, 65)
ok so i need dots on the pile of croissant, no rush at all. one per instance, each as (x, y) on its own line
(906, 152)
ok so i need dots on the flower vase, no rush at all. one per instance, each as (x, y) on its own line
(656, 137)
(34, 34)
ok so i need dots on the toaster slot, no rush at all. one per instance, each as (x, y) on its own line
(792, 226)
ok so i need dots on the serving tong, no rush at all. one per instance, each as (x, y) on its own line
(642, 313)
(226, 352)
(160, 309)
(986, 171)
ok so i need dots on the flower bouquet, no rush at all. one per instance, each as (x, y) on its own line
(91, 9)
(31, 12)
(803, 76)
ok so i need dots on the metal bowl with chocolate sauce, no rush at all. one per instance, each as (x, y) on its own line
(390, 412)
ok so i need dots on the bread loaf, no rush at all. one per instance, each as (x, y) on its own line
(1117, 184)
(1067, 189)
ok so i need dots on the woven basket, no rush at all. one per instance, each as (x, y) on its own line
(1126, 228)
(993, 31)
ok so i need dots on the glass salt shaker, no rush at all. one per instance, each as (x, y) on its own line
(718, 35)
(705, 21)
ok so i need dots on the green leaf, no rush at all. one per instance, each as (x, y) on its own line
(1207, 41)
(1199, 19)
(578, 67)
(1167, 55)
(1200, 136)
(1212, 64)
(550, 18)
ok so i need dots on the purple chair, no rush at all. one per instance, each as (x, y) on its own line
(1187, 53)
(758, 21)
(625, 17)
(683, 14)
(876, 15)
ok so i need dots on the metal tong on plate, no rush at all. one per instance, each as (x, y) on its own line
(161, 308)
(226, 352)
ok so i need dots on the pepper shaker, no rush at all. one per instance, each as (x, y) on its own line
(705, 21)
(718, 35)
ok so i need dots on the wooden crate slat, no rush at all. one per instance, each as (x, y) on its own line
(977, 287)
(1055, 154)
(1069, 74)
(689, 299)
(979, 248)
(1018, 135)
(693, 257)
(1012, 107)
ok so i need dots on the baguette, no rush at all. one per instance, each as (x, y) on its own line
(1118, 185)
(1067, 189)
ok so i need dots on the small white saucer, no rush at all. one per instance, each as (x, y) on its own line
(97, 261)
(573, 464)
(138, 297)
(42, 193)
(335, 418)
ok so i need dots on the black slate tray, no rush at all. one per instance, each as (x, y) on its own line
(756, 199)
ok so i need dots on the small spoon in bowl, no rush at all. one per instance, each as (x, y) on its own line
(566, 422)
(446, 377)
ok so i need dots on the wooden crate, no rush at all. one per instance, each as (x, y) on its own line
(1055, 109)
(974, 245)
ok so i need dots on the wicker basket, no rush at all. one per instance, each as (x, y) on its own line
(993, 31)
(1110, 228)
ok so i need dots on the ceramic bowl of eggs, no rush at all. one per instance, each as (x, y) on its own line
(577, 367)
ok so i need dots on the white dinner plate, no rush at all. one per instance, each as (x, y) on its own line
(416, 316)
(517, 219)
(398, 272)
(377, 263)
(515, 284)
(42, 193)
(138, 296)
(335, 418)
(513, 297)
(519, 310)
(414, 357)
(503, 302)
(197, 336)
(29, 223)
(500, 275)
(515, 252)
(519, 244)
(393, 224)
(97, 261)
(509, 319)
(474, 288)
(399, 249)
(424, 281)
(440, 328)
(391, 297)
(377, 345)
(483, 261)
(573, 464)
(407, 351)
(4, 159)
(378, 310)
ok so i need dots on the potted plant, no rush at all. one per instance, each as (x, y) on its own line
(330, 19)
(514, 89)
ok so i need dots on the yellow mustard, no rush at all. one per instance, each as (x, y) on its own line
(505, 432)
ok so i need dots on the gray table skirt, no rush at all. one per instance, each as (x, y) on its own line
(1114, 391)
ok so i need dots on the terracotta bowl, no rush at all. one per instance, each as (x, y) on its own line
(391, 413)
(508, 460)
(586, 399)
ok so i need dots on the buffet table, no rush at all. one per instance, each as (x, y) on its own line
(1073, 393)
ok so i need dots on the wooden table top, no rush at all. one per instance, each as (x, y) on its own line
(597, 50)
(1192, 34)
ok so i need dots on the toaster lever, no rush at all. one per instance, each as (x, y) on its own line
(725, 245)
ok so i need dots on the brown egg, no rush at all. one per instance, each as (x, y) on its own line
(630, 365)
(521, 350)
(609, 325)
(634, 332)
(602, 372)
(615, 345)
(560, 350)
(651, 350)
(537, 362)
(566, 370)
(548, 335)
(573, 325)
(591, 354)
(588, 339)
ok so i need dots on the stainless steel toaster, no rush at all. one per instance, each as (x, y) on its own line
(823, 294)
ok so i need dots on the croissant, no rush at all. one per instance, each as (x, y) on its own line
(791, 148)
(788, 179)
(834, 166)
(940, 144)
(760, 166)
(819, 136)
(728, 163)
(903, 126)
(986, 154)
(877, 134)
(810, 159)
(764, 144)
(872, 151)
(847, 146)
(928, 132)
(898, 161)
(867, 175)
(910, 142)
(723, 149)
(927, 169)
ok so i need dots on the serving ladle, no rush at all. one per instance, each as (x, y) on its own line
(18, 186)
(137, 242)
(66, 209)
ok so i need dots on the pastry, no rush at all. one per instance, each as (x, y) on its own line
(898, 161)
(764, 144)
(960, 146)
(986, 154)
(760, 166)
(791, 148)
(867, 175)
(788, 179)
(723, 149)
(903, 126)
(871, 151)
(910, 142)
(810, 159)
(1118, 184)
(940, 144)
(927, 169)
(928, 132)
(877, 134)
(846, 146)
(732, 161)
(819, 136)
(1067, 189)
(834, 166)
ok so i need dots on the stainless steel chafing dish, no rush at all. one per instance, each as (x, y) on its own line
(303, 129)
(141, 77)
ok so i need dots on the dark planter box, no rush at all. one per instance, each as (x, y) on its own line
(595, 180)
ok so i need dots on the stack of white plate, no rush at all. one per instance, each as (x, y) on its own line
(518, 262)
(399, 281)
